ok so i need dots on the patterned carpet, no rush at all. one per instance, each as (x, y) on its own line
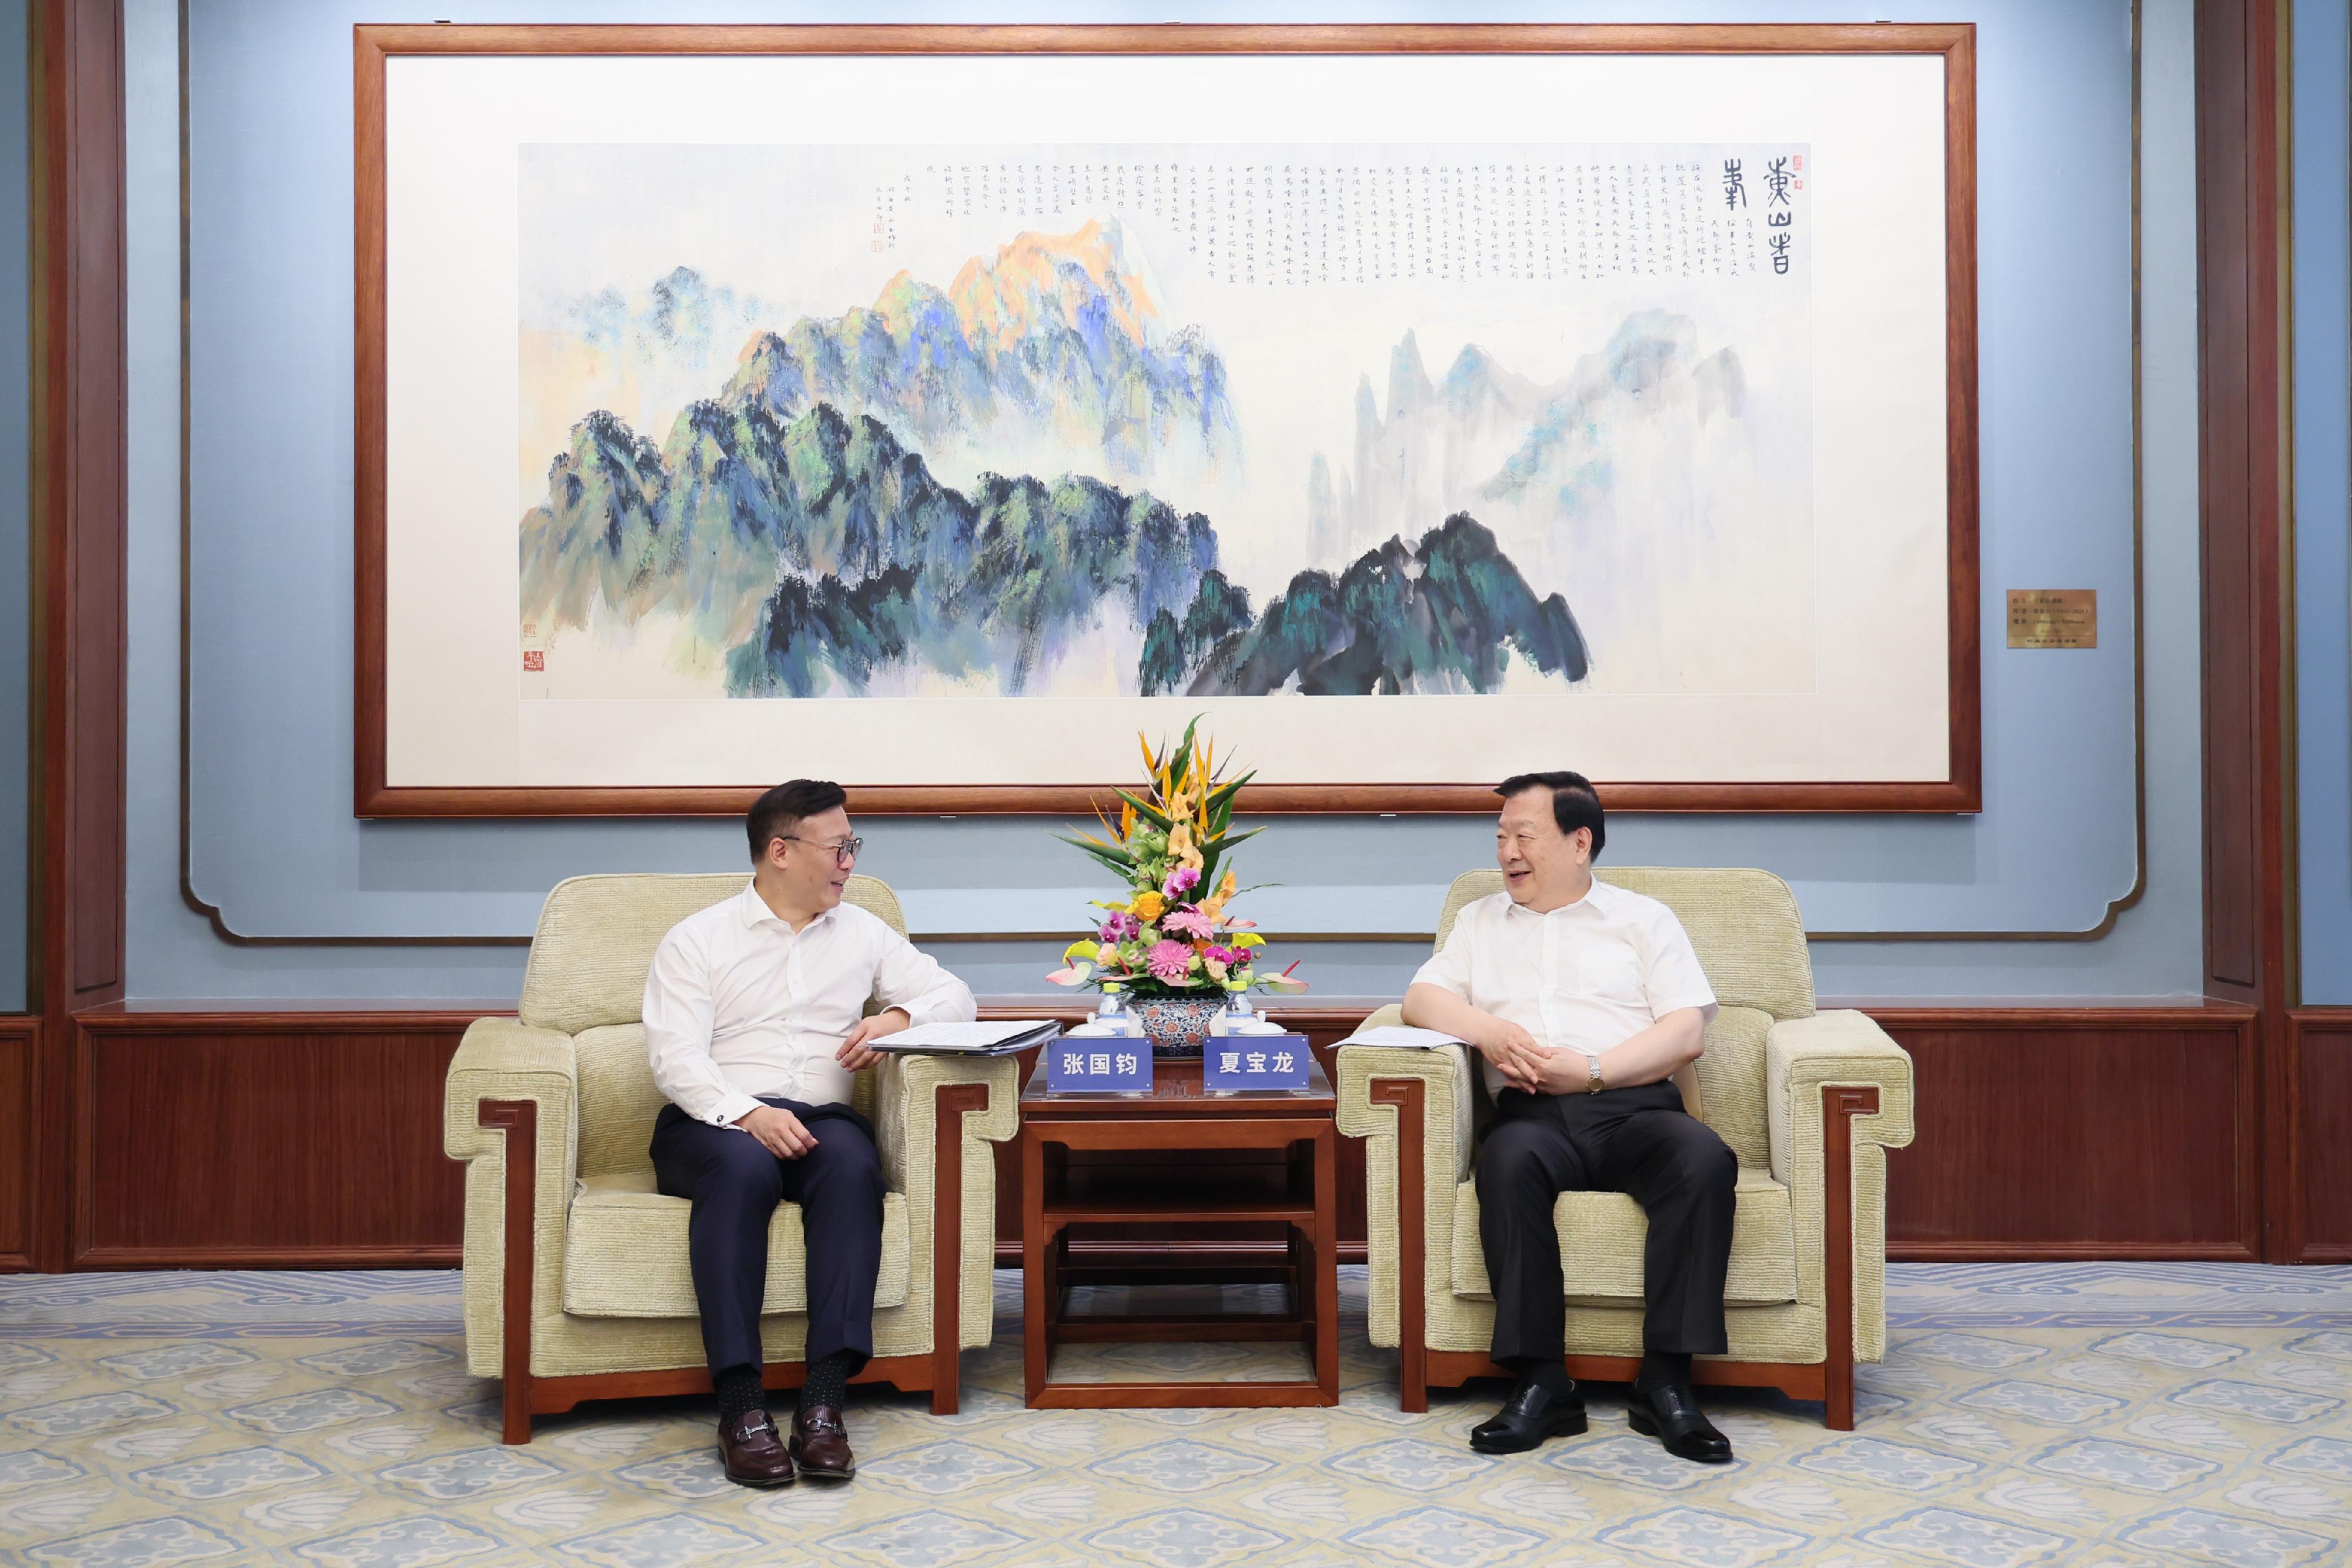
(2075, 1413)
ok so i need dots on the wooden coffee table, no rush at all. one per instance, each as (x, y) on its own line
(1179, 1117)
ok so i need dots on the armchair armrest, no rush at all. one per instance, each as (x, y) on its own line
(1447, 1140)
(1839, 1047)
(1838, 1095)
(503, 1059)
(1412, 1168)
(936, 1117)
(511, 1087)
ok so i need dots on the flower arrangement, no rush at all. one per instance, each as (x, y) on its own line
(1171, 936)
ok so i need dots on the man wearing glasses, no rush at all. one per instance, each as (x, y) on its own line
(752, 1024)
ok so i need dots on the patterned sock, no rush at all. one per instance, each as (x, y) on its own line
(1661, 1367)
(739, 1391)
(828, 1380)
(1547, 1372)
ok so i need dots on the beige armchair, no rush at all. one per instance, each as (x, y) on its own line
(575, 1281)
(1809, 1100)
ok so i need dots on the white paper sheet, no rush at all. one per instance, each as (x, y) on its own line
(972, 1037)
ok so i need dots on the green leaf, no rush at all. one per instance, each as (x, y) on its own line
(1147, 812)
(1184, 751)
(1118, 865)
(1223, 793)
(1241, 838)
(1093, 847)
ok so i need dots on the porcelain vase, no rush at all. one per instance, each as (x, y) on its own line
(1177, 1025)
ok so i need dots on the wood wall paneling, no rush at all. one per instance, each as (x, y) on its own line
(2078, 1132)
(216, 1138)
(79, 453)
(82, 286)
(296, 1139)
(2323, 1053)
(19, 1039)
(2245, 554)
(2227, 224)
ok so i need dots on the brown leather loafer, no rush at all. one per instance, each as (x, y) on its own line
(753, 1455)
(821, 1443)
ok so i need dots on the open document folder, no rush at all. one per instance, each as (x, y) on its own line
(1404, 1036)
(1002, 1039)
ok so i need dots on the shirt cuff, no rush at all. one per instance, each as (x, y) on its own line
(730, 1108)
(1706, 1006)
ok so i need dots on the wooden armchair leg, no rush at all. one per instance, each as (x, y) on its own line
(1841, 1104)
(1412, 1305)
(947, 1242)
(519, 1118)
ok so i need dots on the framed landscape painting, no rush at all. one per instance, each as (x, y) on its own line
(933, 408)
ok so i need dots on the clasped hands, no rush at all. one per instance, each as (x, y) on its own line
(1527, 1066)
(779, 1130)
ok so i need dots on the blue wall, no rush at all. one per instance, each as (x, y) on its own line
(16, 500)
(2322, 489)
(275, 848)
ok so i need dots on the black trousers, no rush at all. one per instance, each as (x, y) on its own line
(736, 1184)
(1639, 1141)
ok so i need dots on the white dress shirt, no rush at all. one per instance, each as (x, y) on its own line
(738, 1004)
(1586, 977)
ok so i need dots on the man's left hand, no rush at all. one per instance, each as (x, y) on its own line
(855, 1054)
(1558, 1072)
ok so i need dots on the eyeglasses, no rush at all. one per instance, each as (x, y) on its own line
(845, 852)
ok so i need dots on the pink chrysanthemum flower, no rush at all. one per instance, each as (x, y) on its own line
(1170, 961)
(1189, 923)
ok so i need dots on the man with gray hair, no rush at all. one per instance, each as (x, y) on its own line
(1589, 1008)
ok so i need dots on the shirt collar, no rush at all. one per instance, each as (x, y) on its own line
(754, 910)
(1597, 895)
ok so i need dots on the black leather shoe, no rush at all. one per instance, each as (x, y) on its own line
(1670, 1413)
(1527, 1418)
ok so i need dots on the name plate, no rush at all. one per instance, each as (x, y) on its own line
(2053, 617)
(1102, 1064)
(1241, 1062)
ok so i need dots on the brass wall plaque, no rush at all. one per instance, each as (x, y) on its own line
(2053, 617)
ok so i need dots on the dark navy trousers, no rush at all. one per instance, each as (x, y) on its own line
(735, 1184)
(1639, 1141)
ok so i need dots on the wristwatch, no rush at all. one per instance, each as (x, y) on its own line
(1592, 1085)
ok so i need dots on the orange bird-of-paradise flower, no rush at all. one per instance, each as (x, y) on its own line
(1213, 906)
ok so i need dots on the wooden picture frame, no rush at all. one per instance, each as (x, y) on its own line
(1958, 790)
